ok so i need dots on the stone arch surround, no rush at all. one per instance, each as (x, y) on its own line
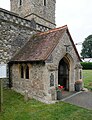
(68, 58)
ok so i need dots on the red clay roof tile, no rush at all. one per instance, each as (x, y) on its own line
(39, 47)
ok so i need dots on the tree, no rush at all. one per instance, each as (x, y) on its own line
(87, 47)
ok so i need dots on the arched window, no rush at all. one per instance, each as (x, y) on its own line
(27, 72)
(22, 72)
(20, 2)
(44, 2)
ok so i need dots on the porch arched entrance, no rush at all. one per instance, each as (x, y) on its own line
(63, 74)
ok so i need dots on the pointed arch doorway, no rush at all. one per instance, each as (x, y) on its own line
(63, 74)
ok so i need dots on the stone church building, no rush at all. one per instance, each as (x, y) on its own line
(38, 55)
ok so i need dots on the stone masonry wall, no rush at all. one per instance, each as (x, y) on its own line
(14, 33)
(35, 85)
(57, 55)
(44, 15)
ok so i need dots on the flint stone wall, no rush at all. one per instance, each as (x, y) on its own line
(14, 33)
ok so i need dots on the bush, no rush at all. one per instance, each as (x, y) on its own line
(86, 65)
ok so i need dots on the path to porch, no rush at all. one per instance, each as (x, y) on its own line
(67, 94)
(82, 98)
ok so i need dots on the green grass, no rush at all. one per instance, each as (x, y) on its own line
(15, 108)
(87, 78)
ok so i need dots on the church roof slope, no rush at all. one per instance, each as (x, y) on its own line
(40, 46)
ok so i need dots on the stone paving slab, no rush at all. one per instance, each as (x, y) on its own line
(82, 99)
(66, 94)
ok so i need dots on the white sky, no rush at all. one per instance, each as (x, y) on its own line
(77, 14)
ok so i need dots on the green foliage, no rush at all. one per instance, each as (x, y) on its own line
(87, 78)
(15, 108)
(87, 47)
(86, 65)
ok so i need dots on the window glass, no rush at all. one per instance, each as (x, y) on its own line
(44, 2)
(20, 2)
(22, 72)
(27, 72)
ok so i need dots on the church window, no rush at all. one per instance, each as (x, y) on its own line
(44, 2)
(51, 80)
(27, 72)
(22, 72)
(20, 2)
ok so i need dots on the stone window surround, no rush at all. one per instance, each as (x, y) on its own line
(24, 71)
(27, 72)
(52, 80)
(44, 2)
(20, 3)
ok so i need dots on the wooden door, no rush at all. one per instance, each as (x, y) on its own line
(63, 74)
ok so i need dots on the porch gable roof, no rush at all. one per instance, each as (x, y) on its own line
(41, 45)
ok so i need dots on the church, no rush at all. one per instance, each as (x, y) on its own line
(38, 55)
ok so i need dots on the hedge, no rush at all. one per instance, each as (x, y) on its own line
(86, 65)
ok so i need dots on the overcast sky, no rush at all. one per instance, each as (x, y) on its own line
(77, 14)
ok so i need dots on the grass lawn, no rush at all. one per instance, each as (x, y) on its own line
(87, 78)
(15, 108)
